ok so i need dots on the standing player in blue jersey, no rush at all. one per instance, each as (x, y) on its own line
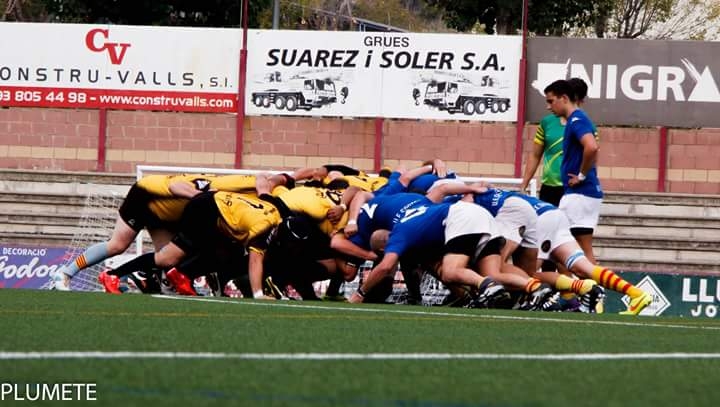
(583, 193)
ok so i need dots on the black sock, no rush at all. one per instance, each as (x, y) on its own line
(144, 262)
(333, 289)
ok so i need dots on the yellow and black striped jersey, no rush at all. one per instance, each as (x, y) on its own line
(315, 203)
(168, 207)
(245, 216)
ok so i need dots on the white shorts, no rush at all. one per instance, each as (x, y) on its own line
(467, 218)
(582, 211)
(553, 230)
(517, 221)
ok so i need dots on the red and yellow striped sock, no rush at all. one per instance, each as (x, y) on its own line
(582, 286)
(565, 283)
(532, 285)
(80, 262)
(608, 279)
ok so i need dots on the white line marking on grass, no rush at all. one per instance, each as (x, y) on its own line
(446, 314)
(354, 356)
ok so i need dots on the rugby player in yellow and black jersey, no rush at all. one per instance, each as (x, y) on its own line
(301, 252)
(325, 175)
(155, 202)
(211, 218)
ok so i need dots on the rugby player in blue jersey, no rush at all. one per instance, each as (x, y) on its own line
(465, 233)
(517, 224)
(369, 213)
(582, 191)
(558, 244)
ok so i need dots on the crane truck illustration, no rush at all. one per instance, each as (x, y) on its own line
(301, 91)
(459, 94)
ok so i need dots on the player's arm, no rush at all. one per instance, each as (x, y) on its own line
(358, 201)
(533, 161)
(590, 153)
(255, 271)
(335, 213)
(159, 185)
(183, 189)
(385, 268)
(409, 175)
(265, 183)
(438, 193)
(256, 247)
(343, 245)
(343, 169)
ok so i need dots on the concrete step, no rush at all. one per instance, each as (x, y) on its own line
(688, 234)
(657, 256)
(64, 177)
(37, 239)
(658, 221)
(662, 199)
(666, 243)
(68, 205)
(66, 188)
(43, 229)
(673, 211)
(64, 219)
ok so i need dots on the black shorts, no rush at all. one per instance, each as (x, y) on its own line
(135, 210)
(551, 195)
(198, 225)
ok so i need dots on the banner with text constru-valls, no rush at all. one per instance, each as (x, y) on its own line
(394, 75)
(119, 67)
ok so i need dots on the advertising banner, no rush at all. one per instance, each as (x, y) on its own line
(119, 67)
(676, 295)
(631, 82)
(28, 267)
(393, 75)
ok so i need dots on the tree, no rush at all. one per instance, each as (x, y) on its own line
(504, 17)
(632, 18)
(207, 13)
(22, 10)
(688, 20)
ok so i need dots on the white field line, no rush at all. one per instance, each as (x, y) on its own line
(445, 314)
(353, 356)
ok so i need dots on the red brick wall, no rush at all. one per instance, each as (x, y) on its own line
(48, 139)
(63, 139)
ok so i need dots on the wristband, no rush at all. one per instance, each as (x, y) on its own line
(343, 206)
(352, 222)
(360, 292)
(258, 294)
(581, 177)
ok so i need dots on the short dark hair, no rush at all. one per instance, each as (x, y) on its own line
(561, 87)
(579, 88)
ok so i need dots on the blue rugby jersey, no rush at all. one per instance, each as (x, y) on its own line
(578, 125)
(382, 212)
(492, 200)
(539, 206)
(422, 226)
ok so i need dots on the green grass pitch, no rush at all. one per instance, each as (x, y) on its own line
(408, 368)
